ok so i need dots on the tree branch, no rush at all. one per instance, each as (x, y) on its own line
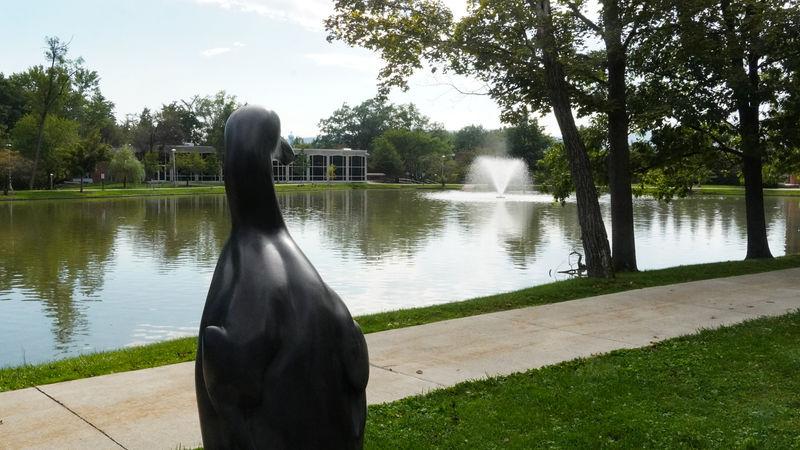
(577, 12)
(722, 146)
(459, 90)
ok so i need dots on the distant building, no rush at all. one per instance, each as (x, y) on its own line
(164, 170)
(351, 166)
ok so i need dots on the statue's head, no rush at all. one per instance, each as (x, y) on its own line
(283, 152)
(252, 139)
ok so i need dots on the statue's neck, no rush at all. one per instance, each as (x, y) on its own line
(252, 200)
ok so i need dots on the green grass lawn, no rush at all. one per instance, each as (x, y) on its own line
(735, 387)
(181, 350)
(140, 190)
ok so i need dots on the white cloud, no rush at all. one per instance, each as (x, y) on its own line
(216, 51)
(307, 13)
(212, 52)
(362, 63)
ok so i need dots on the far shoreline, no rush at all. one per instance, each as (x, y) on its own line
(113, 191)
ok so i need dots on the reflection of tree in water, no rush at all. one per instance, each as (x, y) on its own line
(53, 251)
(791, 212)
(374, 222)
(699, 216)
(179, 228)
(520, 227)
(523, 237)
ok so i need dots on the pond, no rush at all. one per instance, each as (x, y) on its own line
(79, 276)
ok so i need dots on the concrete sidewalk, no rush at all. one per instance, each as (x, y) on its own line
(155, 408)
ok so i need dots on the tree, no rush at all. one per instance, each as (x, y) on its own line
(12, 102)
(553, 174)
(124, 166)
(12, 165)
(469, 138)
(85, 155)
(716, 65)
(385, 159)
(593, 233)
(527, 140)
(151, 163)
(673, 161)
(144, 132)
(617, 27)
(356, 127)
(174, 125)
(301, 163)
(55, 142)
(189, 164)
(212, 165)
(330, 172)
(414, 150)
(515, 48)
(47, 86)
(98, 116)
(211, 113)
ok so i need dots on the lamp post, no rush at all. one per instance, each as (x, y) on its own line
(174, 182)
(51, 181)
(444, 157)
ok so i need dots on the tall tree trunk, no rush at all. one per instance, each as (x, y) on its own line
(623, 241)
(593, 231)
(38, 150)
(81, 182)
(757, 244)
(745, 84)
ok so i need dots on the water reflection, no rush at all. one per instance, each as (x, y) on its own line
(371, 223)
(53, 252)
(92, 275)
(178, 230)
(791, 214)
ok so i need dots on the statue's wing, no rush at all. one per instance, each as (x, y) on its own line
(233, 371)
(357, 358)
(356, 363)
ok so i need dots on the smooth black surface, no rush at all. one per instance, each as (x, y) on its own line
(280, 361)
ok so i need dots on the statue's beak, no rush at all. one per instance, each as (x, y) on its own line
(284, 153)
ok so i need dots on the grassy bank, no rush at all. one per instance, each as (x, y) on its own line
(733, 387)
(181, 350)
(739, 190)
(113, 191)
(141, 190)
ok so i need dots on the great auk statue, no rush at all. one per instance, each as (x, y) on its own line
(280, 362)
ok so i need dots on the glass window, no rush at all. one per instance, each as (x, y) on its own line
(318, 173)
(357, 168)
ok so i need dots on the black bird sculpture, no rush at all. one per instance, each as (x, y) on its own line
(280, 362)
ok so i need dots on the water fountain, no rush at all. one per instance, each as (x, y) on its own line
(498, 173)
(494, 179)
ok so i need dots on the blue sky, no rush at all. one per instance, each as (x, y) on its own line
(268, 52)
